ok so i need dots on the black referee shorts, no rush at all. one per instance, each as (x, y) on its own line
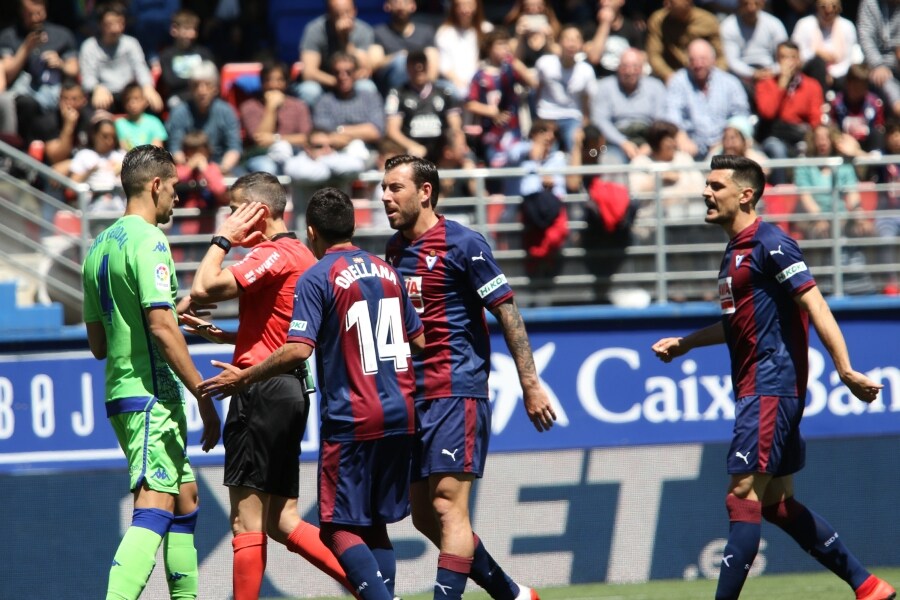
(262, 435)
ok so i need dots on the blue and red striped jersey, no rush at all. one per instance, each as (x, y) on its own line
(451, 277)
(767, 332)
(352, 307)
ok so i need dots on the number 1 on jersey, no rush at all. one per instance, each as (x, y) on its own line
(388, 333)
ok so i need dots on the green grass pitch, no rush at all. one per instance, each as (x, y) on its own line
(820, 586)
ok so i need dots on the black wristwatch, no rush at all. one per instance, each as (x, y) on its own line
(222, 242)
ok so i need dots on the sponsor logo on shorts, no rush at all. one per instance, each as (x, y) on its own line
(797, 267)
(492, 285)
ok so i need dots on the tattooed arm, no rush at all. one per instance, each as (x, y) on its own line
(537, 404)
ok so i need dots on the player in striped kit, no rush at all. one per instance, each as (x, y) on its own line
(768, 297)
(353, 309)
(452, 277)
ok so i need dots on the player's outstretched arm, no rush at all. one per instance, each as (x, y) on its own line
(164, 329)
(537, 403)
(668, 348)
(829, 332)
(232, 379)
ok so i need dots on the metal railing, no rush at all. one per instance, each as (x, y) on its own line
(671, 257)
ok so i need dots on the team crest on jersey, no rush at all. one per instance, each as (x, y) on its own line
(726, 296)
(414, 289)
(162, 277)
(431, 260)
(738, 259)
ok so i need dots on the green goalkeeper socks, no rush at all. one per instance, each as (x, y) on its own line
(180, 557)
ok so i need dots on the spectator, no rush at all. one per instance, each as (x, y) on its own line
(623, 106)
(750, 38)
(737, 140)
(608, 214)
(8, 122)
(792, 11)
(319, 163)
(878, 26)
(99, 165)
(563, 85)
(69, 126)
(111, 60)
(789, 106)
(670, 31)
(35, 55)
(493, 98)
(273, 117)
(607, 38)
(679, 184)
(825, 140)
(459, 42)
(858, 112)
(827, 43)
(178, 60)
(421, 117)
(338, 30)
(147, 22)
(200, 185)
(888, 227)
(353, 117)
(536, 30)
(701, 99)
(206, 112)
(396, 39)
(137, 127)
(543, 212)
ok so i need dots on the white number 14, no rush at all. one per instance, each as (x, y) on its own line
(388, 333)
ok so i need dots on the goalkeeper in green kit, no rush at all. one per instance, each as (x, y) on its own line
(129, 309)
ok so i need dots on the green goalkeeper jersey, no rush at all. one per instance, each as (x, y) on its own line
(128, 269)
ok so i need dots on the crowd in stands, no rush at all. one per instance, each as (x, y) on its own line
(518, 82)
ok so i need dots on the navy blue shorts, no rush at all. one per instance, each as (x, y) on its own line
(767, 436)
(365, 483)
(453, 436)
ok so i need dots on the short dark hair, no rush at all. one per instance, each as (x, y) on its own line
(787, 44)
(143, 163)
(417, 57)
(660, 130)
(265, 188)
(744, 172)
(424, 171)
(116, 8)
(130, 88)
(271, 65)
(498, 34)
(330, 212)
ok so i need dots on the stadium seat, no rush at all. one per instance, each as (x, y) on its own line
(237, 80)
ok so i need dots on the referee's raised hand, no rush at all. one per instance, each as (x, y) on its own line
(245, 226)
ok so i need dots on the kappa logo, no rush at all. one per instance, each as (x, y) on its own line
(743, 457)
(479, 257)
(450, 454)
(160, 247)
(176, 576)
(778, 251)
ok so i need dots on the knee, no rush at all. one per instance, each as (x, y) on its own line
(449, 511)
(782, 512)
